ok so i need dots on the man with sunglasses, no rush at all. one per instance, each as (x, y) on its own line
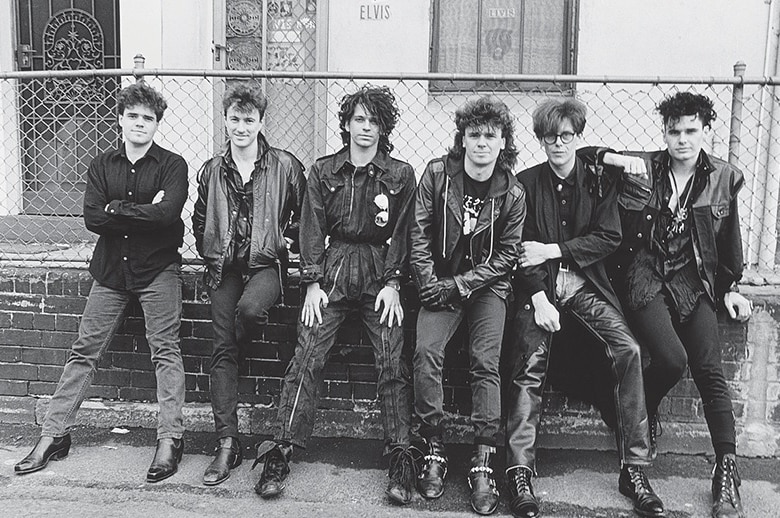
(572, 225)
(353, 259)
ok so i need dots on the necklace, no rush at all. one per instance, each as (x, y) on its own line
(677, 225)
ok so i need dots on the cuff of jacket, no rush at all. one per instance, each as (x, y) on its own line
(396, 274)
(566, 253)
(113, 207)
(311, 273)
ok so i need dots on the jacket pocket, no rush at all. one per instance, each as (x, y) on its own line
(633, 195)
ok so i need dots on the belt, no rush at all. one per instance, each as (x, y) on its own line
(566, 266)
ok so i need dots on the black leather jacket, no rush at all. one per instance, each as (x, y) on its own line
(437, 227)
(717, 243)
(277, 190)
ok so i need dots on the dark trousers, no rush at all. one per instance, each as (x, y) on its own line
(485, 313)
(238, 309)
(604, 322)
(302, 381)
(672, 345)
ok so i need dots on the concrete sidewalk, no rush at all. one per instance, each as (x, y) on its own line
(104, 476)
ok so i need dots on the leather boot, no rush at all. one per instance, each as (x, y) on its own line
(228, 457)
(402, 473)
(726, 502)
(275, 470)
(522, 500)
(633, 483)
(46, 449)
(166, 459)
(484, 492)
(655, 431)
(430, 481)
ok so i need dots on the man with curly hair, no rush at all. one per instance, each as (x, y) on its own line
(133, 201)
(354, 257)
(571, 228)
(465, 241)
(679, 261)
(243, 234)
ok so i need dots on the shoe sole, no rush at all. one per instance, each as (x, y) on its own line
(627, 494)
(160, 479)
(270, 495)
(58, 455)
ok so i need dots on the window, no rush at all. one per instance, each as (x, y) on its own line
(503, 37)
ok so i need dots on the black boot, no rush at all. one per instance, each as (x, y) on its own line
(228, 457)
(430, 481)
(46, 449)
(655, 431)
(275, 469)
(484, 492)
(522, 501)
(166, 459)
(726, 502)
(402, 473)
(633, 483)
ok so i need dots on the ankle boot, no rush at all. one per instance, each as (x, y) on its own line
(46, 449)
(633, 483)
(275, 469)
(402, 474)
(484, 492)
(522, 500)
(228, 457)
(430, 481)
(166, 460)
(726, 502)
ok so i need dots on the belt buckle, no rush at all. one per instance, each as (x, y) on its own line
(564, 267)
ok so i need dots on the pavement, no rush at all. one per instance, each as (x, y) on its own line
(104, 476)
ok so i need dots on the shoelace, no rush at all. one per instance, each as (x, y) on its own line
(727, 482)
(274, 469)
(522, 482)
(656, 430)
(639, 479)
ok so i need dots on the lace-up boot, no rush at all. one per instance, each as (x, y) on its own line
(402, 473)
(522, 501)
(430, 481)
(275, 469)
(655, 432)
(726, 502)
(484, 492)
(633, 483)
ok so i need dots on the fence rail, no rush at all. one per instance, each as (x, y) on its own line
(55, 122)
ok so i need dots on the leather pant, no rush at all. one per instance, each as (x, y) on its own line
(529, 371)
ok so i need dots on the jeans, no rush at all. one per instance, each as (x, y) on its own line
(606, 323)
(238, 310)
(672, 345)
(485, 313)
(104, 312)
(298, 403)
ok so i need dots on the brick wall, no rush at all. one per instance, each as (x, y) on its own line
(40, 310)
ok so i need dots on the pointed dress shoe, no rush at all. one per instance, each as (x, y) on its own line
(46, 449)
(633, 483)
(228, 457)
(166, 459)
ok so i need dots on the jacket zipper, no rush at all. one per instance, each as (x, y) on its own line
(336, 277)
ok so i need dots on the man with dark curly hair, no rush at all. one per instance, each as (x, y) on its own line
(465, 241)
(571, 228)
(679, 261)
(354, 257)
(243, 234)
(133, 201)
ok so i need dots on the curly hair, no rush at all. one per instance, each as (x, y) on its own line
(141, 94)
(379, 102)
(549, 116)
(486, 111)
(686, 103)
(245, 97)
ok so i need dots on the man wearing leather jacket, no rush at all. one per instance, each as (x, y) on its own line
(465, 238)
(354, 256)
(571, 227)
(680, 258)
(249, 200)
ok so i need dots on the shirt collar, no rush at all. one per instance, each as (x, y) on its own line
(153, 152)
(380, 162)
(262, 148)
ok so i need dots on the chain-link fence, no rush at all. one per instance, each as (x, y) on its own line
(55, 123)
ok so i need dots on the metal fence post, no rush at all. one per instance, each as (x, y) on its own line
(735, 128)
(138, 65)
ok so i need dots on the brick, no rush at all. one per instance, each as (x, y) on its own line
(262, 350)
(102, 392)
(140, 344)
(269, 386)
(132, 361)
(338, 390)
(58, 340)
(280, 333)
(5, 319)
(134, 326)
(192, 364)
(203, 382)
(247, 386)
(201, 329)
(6, 283)
(196, 397)
(114, 377)
(350, 334)
(42, 388)
(10, 353)
(40, 356)
(122, 343)
(54, 283)
(137, 394)
(49, 373)
(267, 368)
(196, 311)
(38, 286)
(336, 404)
(360, 355)
(284, 315)
(20, 302)
(363, 373)
(13, 388)
(22, 284)
(44, 321)
(189, 382)
(335, 371)
(66, 323)
(18, 371)
(189, 287)
(63, 304)
(143, 379)
(84, 282)
(22, 320)
(196, 346)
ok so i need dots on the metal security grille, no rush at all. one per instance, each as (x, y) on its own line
(621, 116)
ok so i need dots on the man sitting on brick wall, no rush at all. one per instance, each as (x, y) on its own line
(133, 200)
(680, 258)
(353, 258)
(249, 201)
(571, 228)
(465, 241)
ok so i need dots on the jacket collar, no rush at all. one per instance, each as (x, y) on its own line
(154, 151)
(662, 163)
(381, 161)
(500, 181)
(262, 149)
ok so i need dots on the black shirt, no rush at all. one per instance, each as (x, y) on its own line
(138, 239)
(241, 196)
(564, 197)
(474, 195)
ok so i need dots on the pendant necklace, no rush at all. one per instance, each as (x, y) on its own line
(677, 225)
